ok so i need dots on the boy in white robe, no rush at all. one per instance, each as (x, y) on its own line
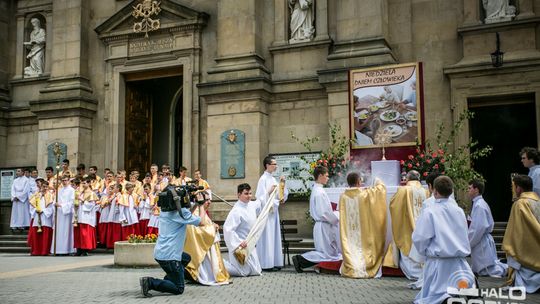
(20, 194)
(269, 247)
(484, 260)
(63, 231)
(441, 236)
(128, 212)
(325, 230)
(236, 228)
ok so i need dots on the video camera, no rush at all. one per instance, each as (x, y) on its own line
(175, 197)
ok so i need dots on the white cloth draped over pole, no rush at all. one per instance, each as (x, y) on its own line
(254, 234)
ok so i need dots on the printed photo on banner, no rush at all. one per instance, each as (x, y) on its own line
(385, 106)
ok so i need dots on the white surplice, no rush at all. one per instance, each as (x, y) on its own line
(441, 236)
(236, 228)
(269, 247)
(128, 214)
(20, 209)
(64, 222)
(46, 216)
(484, 260)
(525, 277)
(325, 234)
(145, 209)
(86, 211)
(534, 174)
(210, 266)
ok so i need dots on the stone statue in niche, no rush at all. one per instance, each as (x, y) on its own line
(498, 11)
(302, 17)
(36, 47)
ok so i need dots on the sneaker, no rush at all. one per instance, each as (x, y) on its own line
(297, 264)
(145, 286)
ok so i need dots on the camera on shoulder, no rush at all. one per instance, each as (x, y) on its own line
(174, 197)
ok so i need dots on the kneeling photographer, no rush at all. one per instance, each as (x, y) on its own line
(174, 217)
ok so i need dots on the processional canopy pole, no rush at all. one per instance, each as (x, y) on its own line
(58, 153)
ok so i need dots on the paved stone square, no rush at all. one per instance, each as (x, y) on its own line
(94, 279)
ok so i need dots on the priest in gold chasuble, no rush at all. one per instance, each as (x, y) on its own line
(522, 237)
(202, 244)
(363, 217)
(405, 207)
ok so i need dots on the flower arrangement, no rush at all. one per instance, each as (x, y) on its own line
(334, 158)
(425, 161)
(458, 164)
(136, 238)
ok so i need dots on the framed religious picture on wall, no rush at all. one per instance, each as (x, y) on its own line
(385, 106)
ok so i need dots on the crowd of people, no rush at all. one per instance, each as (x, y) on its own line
(430, 240)
(89, 211)
(430, 232)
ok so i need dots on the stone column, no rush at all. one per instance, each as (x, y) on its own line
(236, 90)
(66, 105)
(525, 9)
(361, 34)
(6, 11)
(239, 58)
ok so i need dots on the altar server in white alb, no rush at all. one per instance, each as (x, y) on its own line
(236, 228)
(441, 236)
(20, 210)
(269, 247)
(484, 260)
(63, 231)
(325, 230)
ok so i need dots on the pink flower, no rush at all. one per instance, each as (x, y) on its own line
(434, 154)
(436, 166)
(418, 164)
(442, 160)
(422, 155)
(402, 162)
(428, 161)
(424, 174)
(409, 166)
(410, 157)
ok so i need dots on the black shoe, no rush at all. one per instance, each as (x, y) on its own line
(268, 269)
(277, 268)
(145, 286)
(297, 264)
(79, 252)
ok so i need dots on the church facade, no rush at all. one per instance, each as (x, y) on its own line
(124, 84)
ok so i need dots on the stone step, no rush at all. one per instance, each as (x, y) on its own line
(11, 237)
(15, 250)
(500, 224)
(17, 243)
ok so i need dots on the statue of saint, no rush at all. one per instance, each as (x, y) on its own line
(36, 45)
(302, 28)
(498, 11)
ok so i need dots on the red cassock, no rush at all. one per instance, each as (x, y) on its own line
(40, 242)
(84, 237)
(114, 234)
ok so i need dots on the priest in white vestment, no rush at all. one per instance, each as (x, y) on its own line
(20, 194)
(325, 230)
(269, 247)
(522, 237)
(484, 261)
(441, 236)
(63, 231)
(236, 228)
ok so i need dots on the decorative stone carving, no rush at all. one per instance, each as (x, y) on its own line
(36, 45)
(302, 20)
(498, 11)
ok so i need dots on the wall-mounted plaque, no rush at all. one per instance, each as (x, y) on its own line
(233, 156)
(51, 158)
(6, 180)
(296, 167)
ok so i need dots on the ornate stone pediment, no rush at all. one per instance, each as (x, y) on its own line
(173, 18)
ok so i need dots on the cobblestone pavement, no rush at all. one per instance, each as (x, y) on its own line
(94, 279)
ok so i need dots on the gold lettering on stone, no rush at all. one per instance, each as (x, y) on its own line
(150, 45)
